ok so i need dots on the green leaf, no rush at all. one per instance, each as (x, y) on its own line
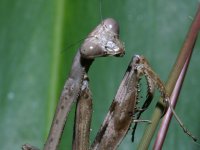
(35, 59)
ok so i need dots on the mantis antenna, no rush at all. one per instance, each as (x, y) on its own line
(100, 10)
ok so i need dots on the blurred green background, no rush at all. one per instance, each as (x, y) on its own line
(35, 58)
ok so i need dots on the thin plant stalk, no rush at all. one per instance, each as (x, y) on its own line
(167, 118)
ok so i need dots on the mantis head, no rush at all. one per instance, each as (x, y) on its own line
(103, 41)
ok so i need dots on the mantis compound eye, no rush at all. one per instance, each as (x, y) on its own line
(111, 25)
(103, 41)
(91, 50)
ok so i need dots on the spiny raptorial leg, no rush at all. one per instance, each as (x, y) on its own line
(153, 80)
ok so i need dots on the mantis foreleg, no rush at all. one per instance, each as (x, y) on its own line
(119, 118)
(83, 117)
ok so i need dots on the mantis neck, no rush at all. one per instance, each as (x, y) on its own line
(79, 67)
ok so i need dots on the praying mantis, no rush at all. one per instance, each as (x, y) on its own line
(104, 41)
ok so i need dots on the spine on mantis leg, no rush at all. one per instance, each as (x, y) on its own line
(29, 147)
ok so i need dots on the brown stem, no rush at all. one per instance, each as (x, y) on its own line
(174, 98)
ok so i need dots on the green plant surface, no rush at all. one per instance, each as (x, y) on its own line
(35, 58)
